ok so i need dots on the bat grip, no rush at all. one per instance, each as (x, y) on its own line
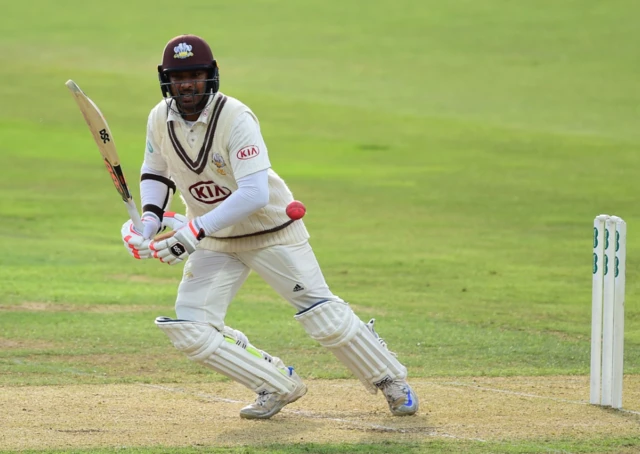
(134, 215)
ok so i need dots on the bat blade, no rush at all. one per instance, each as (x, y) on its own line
(104, 140)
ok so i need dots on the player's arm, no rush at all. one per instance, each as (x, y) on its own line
(252, 194)
(156, 190)
(156, 186)
(251, 172)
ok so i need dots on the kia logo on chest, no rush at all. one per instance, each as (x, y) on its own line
(209, 192)
(248, 152)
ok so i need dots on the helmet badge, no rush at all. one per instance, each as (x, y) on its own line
(182, 51)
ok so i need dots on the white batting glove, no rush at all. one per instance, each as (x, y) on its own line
(177, 247)
(173, 220)
(134, 242)
(138, 245)
(151, 225)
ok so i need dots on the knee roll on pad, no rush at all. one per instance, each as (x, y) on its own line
(334, 325)
(229, 354)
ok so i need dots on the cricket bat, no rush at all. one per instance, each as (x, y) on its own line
(103, 138)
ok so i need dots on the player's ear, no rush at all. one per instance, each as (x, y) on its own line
(164, 80)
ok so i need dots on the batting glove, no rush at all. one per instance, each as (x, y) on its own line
(134, 242)
(137, 244)
(151, 225)
(177, 248)
(173, 220)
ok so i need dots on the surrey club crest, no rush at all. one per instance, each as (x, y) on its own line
(218, 160)
(182, 51)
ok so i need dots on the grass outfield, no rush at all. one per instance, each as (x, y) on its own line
(452, 156)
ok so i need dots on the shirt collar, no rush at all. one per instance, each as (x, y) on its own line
(204, 117)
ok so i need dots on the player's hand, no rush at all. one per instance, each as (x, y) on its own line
(134, 242)
(174, 247)
(173, 220)
(137, 245)
(151, 225)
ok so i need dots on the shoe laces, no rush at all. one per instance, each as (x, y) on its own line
(371, 328)
(395, 390)
(262, 398)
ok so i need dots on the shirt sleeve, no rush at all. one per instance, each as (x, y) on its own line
(156, 187)
(247, 150)
(152, 157)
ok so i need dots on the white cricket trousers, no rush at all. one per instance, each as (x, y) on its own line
(211, 279)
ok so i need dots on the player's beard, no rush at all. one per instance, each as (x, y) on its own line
(191, 103)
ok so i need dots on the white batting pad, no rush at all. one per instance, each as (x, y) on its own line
(334, 325)
(229, 354)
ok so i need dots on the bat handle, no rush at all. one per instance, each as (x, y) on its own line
(134, 215)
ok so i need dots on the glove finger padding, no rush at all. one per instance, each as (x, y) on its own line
(143, 253)
(171, 254)
(177, 248)
(174, 221)
(135, 244)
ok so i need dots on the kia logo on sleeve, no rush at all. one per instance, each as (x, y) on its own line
(248, 152)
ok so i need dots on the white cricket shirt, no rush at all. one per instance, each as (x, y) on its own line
(206, 158)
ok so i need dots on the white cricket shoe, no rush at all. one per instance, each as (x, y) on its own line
(401, 398)
(268, 404)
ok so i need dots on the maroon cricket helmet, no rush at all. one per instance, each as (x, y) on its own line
(187, 53)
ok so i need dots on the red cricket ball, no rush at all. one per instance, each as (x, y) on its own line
(295, 210)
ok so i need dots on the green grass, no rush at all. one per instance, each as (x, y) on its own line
(452, 156)
(533, 447)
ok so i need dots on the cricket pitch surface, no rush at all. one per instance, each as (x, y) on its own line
(333, 411)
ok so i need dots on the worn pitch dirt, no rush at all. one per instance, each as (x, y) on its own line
(335, 411)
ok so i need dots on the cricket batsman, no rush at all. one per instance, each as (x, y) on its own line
(208, 146)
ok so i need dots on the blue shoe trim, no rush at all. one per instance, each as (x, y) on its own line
(409, 401)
